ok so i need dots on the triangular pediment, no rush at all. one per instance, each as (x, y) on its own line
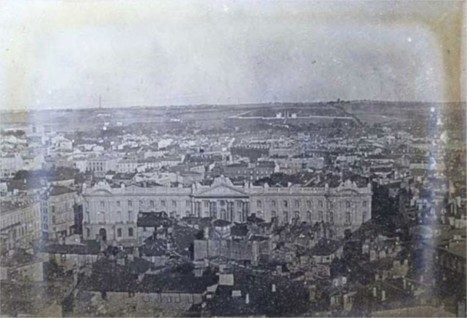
(101, 192)
(221, 191)
(347, 191)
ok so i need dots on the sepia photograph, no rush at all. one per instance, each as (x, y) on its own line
(233, 158)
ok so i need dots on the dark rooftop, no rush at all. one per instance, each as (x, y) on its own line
(153, 219)
(59, 190)
(326, 247)
(90, 247)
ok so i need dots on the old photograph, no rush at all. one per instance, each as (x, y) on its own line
(232, 158)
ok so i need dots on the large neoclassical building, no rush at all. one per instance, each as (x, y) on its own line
(113, 212)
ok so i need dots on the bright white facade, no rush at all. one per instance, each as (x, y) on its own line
(113, 212)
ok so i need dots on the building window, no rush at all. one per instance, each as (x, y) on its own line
(348, 218)
(239, 204)
(130, 216)
(258, 204)
(130, 203)
(118, 203)
(130, 232)
(54, 220)
(102, 204)
(331, 205)
(141, 203)
(88, 232)
(320, 203)
(308, 204)
(286, 216)
(364, 217)
(273, 214)
(331, 217)
(213, 211)
(151, 203)
(53, 208)
(297, 203)
(347, 204)
(206, 204)
(273, 202)
(308, 216)
(320, 216)
(187, 203)
(286, 203)
(119, 232)
(174, 203)
(198, 209)
(364, 204)
(163, 203)
(297, 215)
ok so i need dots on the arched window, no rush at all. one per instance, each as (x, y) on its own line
(348, 218)
(130, 231)
(119, 232)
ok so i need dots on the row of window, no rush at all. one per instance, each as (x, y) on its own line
(229, 211)
(309, 217)
(151, 203)
(130, 232)
(119, 232)
(259, 203)
(130, 217)
(285, 204)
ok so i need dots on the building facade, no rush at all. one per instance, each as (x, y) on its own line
(58, 214)
(20, 224)
(112, 212)
(10, 164)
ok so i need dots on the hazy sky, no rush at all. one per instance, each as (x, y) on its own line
(59, 54)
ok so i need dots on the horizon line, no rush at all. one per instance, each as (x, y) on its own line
(335, 101)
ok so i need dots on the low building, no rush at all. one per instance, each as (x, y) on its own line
(129, 287)
(71, 256)
(21, 266)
